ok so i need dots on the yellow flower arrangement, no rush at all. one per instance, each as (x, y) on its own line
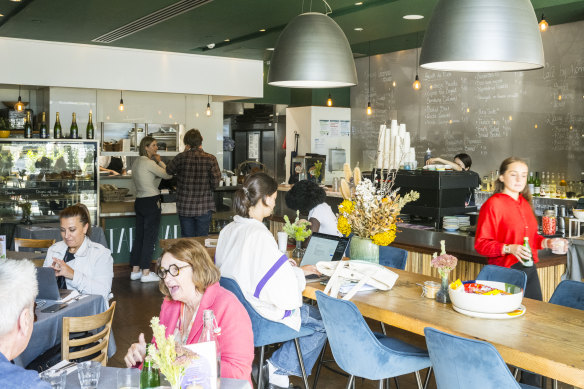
(385, 238)
(164, 355)
(346, 206)
(343, 226)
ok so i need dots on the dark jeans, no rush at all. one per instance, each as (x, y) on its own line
(195, 225)
(147, 224)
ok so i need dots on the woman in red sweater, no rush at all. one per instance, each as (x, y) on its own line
(505, 219)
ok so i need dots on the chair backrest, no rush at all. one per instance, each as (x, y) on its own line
(503, 274)
(393, 257)
(461, 363)
(83, 324)
(570, 294)
(33, 243)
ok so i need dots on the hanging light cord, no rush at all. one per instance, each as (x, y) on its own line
(327, 7)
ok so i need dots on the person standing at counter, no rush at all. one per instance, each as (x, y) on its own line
(113, 165)
(197, 174)
(505, 219)
(147, 172)
(462, 163)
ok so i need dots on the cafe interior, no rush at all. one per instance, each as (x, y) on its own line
(384, 96)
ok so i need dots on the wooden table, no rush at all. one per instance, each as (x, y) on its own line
(548, 339)
(164, 243)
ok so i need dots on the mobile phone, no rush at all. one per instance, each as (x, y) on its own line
(53, 308)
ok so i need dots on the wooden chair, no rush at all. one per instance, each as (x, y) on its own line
(88, 323)
(33, 243)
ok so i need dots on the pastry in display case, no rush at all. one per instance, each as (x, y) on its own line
(39, 178)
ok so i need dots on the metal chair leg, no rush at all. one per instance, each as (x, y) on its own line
(382, 327)
(396, 382)
(418, 379)
(301, 360)
(350, 383)
(428, 375)
(554, 384)
(319, 364)
(261, 368)
(381, 383)
(516, 373)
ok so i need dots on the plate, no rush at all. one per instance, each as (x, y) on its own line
(451, 229)
(510, 315)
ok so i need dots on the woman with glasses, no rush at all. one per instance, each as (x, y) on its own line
(190, 283)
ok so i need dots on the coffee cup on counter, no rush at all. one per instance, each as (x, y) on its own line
(233, 180)
(221, 182)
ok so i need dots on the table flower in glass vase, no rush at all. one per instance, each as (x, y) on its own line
(164, 354)
(444, 263)
(299, 231)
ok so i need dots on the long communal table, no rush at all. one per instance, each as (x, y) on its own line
(548, 339)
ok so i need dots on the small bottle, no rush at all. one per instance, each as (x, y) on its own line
(43, 132)
(89, 132)
(427, 156)
(74, 132)
(527, 262)
(210, 334)
(531, 183)
(28, 126)
(485, 184)
(552, 186)
(536, 185)
(149, 377)
(57, 131)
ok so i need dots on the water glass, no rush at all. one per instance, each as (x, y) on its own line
(129, 379)
(88, 373)
(282, 241)
(56, 378)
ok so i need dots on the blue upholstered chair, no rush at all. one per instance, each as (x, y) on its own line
(266, 332)
(362, 353)
(503, 274)
(461, 363)
(569, 294)
(393, 257)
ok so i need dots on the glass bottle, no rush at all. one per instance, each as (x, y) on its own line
(563, 186)
(89, 132)
(552, 186)
(28, 126)
(485, 184)
(43, 132)
(149, 377)
(57, 131)
(527, 262)
(544, 186)
(531, 183)
(74, 132)
(536, 185)
(210, 334)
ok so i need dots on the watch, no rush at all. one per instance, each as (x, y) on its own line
(506, 249)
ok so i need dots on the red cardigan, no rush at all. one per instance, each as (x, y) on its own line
(236, 339)
(503, 220)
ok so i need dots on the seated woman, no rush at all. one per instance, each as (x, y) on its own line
(79, 263)
(190, 283)
(248, 253)
(309, 198)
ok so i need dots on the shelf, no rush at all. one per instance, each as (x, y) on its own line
(135, 153)
(47, 140)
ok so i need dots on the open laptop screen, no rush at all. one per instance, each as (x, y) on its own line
(323, 247)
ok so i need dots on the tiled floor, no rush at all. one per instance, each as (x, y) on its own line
(138, 302)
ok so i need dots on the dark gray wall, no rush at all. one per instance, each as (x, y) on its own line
(488, 115)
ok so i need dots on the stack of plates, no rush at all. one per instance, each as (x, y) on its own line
(463, 222)
(450, 223)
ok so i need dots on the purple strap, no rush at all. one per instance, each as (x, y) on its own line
(287, 313)
(283, 259)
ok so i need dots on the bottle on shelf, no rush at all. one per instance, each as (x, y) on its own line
(210, 334)
(89, 132)
(149, 377)
(563, 186)
(531, 183)
(544, 186)
(27, 126)
(74, 131)
(485, 184)
(527, 262)
(536, 185)
(493, 181)
(427, 156)
(43, 132)
(57, 131)
(552, 186)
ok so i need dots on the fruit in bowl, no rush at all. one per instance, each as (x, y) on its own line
(481, 296)
(578, 214)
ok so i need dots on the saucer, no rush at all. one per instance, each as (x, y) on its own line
(509, 315)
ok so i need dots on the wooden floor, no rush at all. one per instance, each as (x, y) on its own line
(137, 303)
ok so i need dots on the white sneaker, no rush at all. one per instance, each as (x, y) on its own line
(151, 277)
(135, 276)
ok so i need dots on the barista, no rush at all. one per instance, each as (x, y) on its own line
(462, 163)
(114, 165)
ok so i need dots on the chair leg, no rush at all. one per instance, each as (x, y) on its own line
(428, 375)
(396, 382)
(301, 360)
(516, 373)
(319, 364)
(260, 382)
(419, 379)
(351, 380)
(381, 383)
(382, 327)
(554, 384)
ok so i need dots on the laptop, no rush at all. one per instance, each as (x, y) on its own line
(48, 289)
(323, 247)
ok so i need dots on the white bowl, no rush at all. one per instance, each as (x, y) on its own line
(498, 303)
(578, 214)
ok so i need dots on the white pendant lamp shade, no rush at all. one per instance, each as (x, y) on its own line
(482, 36)
(312, 52)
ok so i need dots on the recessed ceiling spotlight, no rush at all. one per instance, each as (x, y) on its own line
(358, 28)
(211, 46)
(226, 40)
(413, 17)
(359, 3)
(270, 49)
(16, 1)
(1, 15)
(263, 30)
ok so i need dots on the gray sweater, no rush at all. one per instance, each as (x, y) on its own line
(147, 175)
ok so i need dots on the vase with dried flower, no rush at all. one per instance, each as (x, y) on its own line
(444, 263)
(299, 231)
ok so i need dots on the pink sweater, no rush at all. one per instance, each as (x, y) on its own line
(236, 339)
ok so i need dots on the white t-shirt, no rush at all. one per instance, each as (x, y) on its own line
(327, 219)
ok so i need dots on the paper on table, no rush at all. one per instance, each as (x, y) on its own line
(346, 288)
(69, 369)
(69, 297)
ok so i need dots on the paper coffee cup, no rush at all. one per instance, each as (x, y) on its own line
(282, 241)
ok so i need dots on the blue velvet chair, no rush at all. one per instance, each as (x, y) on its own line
(461, 363)
(266, 332)
(503, 274)
(393, 257)
(362, 353)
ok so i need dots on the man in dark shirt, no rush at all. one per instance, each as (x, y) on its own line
(18, 289)
(197, 174)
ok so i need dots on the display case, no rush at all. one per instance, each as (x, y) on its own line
(40, 177)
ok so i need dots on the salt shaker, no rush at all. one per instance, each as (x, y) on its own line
(335, 184)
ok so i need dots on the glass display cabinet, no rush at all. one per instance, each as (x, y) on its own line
(40, 177)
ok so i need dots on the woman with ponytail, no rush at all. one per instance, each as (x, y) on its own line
(248, 253)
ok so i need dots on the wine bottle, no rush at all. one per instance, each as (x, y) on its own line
(536, 185)
(57, 131)
(28, 126)
(89, 132)
(552, 186)
(43, 132)
(74, 132)
(531, 183)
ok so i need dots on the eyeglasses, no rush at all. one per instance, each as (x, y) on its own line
(172, 269)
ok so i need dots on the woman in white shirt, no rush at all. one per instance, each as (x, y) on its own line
(147, 172)
(309, 198)
(248, 253)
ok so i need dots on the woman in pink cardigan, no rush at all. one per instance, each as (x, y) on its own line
(190, 282)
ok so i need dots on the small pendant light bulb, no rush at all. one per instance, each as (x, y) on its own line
(543, 24)
(417, 84)
(19, 106)
(121, 107)
(208, 111)
(329, 101)
(369, 109)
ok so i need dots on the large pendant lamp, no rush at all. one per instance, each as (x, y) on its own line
(312, 52)
(482, 36)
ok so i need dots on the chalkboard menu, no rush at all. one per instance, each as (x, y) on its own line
(536, 115)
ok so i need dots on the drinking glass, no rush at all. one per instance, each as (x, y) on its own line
(56, 378)
(88, 373)
(559, 246)
(129, 379)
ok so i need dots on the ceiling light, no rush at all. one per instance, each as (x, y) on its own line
(1, 15)
(270, 49)
(479, 36)
(417, 84)
(359, 3)
(263, 30)
(358, 28)
(226, 40)
(329, 101)
(369, 109)
(208, 111)
(121, 107)
(312, 52)
(19, 106)
(16, 1)
(413, 17)
(543, 24)
(211, 46)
